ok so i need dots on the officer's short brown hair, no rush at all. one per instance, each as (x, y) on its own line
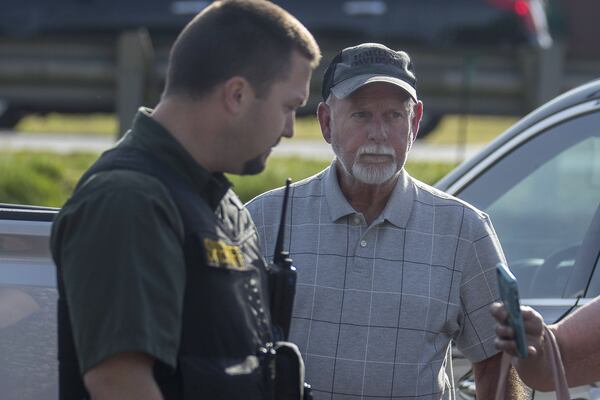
(250, 38)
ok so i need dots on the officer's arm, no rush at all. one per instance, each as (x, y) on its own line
(123, 376)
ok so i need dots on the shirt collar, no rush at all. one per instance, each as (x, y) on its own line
(397, 210)
(399, 206)
(336, 201)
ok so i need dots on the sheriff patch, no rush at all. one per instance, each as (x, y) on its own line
(222, 255)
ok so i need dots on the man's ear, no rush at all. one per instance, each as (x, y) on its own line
(416, 119)
(324, 117)
(236, 92)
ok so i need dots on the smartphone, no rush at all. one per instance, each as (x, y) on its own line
(509, 293)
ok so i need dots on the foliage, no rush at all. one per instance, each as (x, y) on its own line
(469, 129)
(53, 123)
(279, 169)
(40, 178)
(43, 178)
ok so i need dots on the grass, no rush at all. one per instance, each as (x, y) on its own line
(93, 124)
(471, 129)
(479, 129)
(47, 179)
(307, 128)
(40, 178)
(44, 178)
(279, 169)
(429, 171)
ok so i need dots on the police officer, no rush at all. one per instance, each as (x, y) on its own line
(162, 288)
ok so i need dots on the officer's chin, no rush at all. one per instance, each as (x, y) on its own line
(256, 165)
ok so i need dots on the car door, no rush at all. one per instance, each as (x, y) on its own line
(543, 192)
(594, 287)
(28, 347)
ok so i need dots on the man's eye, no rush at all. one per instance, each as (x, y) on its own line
(395, 114)
(359, 115)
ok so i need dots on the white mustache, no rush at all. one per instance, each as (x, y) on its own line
(376, 149)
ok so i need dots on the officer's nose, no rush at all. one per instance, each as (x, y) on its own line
(288, 129)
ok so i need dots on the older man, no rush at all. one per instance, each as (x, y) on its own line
(390, 270)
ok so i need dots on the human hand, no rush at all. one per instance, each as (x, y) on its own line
(533, 324)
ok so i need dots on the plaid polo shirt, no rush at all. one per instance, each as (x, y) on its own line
(377, 306)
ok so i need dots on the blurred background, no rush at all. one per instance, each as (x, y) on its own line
(73, 73)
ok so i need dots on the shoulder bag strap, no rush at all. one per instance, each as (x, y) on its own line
(558, 371)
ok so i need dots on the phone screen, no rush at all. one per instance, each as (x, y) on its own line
(509, 293)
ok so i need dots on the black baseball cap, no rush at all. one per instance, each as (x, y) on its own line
(366, 63)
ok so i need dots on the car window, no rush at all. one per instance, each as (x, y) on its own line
(542, 197)
(594, 289)
(28, 336)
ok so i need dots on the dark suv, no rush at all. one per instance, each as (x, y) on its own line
(63, 55)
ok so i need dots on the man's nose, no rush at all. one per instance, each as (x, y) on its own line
(288, 129)
(378, 131)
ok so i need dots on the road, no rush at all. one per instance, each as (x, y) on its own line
(295, 147)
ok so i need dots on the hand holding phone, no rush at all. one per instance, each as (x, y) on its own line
(509, 293)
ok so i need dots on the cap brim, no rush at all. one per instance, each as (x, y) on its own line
(347, 87)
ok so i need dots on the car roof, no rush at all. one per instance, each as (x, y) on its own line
(27, 213)
(581, 94)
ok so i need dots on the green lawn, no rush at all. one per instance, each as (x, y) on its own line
(40, 178)
(47, 179)
(43, 178)
(92, 124)
(474, 129)
(307, 128)
(479, 129)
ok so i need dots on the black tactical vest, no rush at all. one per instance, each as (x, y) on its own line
(226, 332)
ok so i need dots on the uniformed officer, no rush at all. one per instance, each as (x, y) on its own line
(161, 281)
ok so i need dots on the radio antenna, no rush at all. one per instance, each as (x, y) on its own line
(280, 254)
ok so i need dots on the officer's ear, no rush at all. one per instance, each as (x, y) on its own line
(236, 92)
(324, 117)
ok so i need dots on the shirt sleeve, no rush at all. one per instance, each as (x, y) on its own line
(479, 254)
(123, 269)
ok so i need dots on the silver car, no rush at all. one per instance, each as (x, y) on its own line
(540, 182)
(28, 347)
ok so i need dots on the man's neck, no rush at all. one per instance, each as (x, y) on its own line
(174, 116)
(370, 200)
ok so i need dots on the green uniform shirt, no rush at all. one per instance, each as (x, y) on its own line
(119, 242)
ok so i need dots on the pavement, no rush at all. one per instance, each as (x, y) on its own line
(68, 143)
